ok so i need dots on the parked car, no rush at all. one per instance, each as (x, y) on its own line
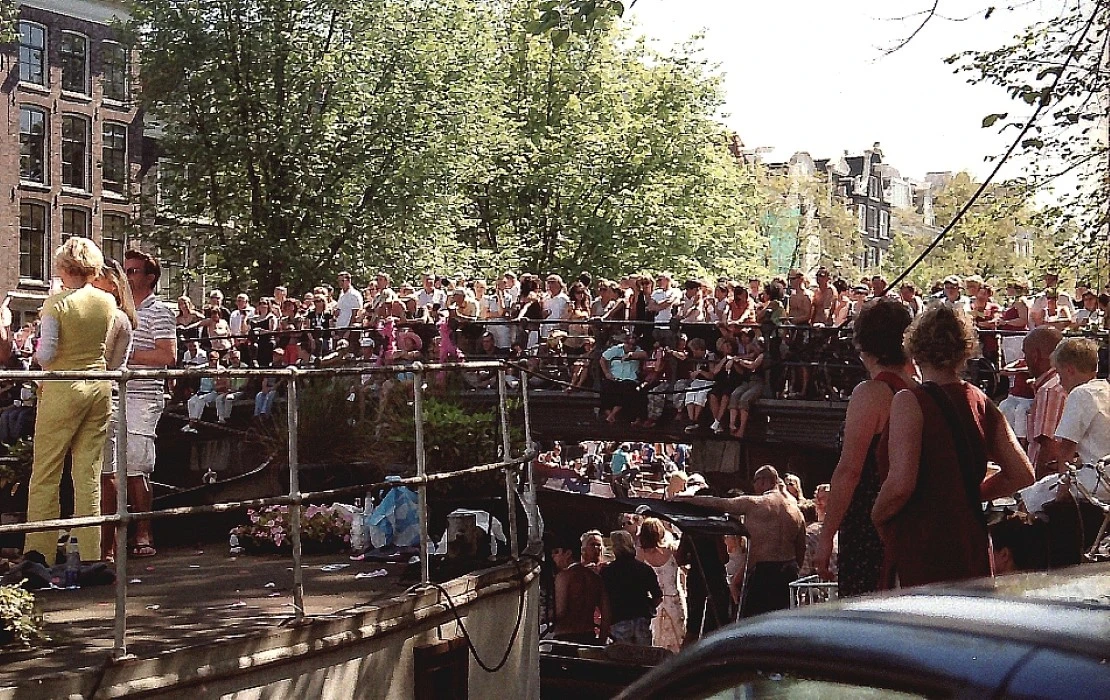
(1044, 635)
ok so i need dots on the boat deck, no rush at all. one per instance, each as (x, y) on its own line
(185, 598)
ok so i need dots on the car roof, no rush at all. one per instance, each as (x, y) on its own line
(1068, 608)
(928, 631)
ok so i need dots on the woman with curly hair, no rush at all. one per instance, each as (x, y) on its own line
(877, 332)
(942, 433)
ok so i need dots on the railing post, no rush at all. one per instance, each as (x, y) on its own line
(533, 513)
(506, 448)
(295, 492)
(120, 649)
(421, 470)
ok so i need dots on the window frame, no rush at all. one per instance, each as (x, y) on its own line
(44, 56)
(109, 245)
(104, 161)
(44, 253)
(44, 149)
(86, 219)
(63, 55)
(124, 69)
(84, 186)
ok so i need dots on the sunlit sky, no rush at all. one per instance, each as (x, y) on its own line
(811, 75)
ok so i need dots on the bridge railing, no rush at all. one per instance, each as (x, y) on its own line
(519, 483)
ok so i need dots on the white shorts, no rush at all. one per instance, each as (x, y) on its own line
(143, 413)
(1016, 410)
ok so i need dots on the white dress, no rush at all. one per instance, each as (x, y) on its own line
(668, 627)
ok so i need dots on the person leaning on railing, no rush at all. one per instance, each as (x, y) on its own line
(73, 414)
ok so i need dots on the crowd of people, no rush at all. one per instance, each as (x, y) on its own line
(697, 352)
(655, 585)
(923, 451)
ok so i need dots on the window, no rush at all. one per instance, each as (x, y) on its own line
(73, 53)
(32, 241)
(115, 158)
(113, 238)
(862, 218)
(75, 222)
(172, 283)
(872, 221)
(32, 53)
(75, 152)
(884, 223)
(32, 145)
(113, 64)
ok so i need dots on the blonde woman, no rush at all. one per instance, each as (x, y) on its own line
(73, 415)
(113, 281)
(657, 549)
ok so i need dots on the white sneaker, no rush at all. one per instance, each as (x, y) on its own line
(716, 427)
(189, 429)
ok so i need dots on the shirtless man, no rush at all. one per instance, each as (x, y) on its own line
(777, 534)
(823, 297)
(579, 592)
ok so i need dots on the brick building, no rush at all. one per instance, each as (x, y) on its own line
(71, 156)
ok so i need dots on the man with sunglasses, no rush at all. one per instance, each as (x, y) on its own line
(153, 346)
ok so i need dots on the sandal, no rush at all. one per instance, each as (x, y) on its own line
(142, 551)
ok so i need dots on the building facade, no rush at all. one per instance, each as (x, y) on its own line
(71, 158)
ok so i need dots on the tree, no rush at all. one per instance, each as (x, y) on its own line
(1061, 67)
(319, 135)
(984, 242)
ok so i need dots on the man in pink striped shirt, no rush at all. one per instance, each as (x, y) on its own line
(1048, 398)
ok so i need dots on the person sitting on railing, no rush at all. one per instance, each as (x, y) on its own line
(228, 389)
(727, 375)
(1089, 316)
(694, 381)
(752, 386)
(487, 350)
(660, 373)
(206, 394)
(620, 366)
(216, 330)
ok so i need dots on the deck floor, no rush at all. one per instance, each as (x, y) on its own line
(186, 597)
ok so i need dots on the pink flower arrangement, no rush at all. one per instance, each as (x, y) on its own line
(324, 528)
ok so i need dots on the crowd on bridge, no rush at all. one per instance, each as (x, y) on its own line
(650, 346)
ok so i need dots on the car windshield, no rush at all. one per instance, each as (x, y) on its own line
(787, 687)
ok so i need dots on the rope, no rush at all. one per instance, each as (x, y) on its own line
(466, 634)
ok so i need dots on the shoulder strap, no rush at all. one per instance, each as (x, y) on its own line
(963, 448)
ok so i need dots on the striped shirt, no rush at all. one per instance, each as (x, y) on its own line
(156, 322)
(1044, 415)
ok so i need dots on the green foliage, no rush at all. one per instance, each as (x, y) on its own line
(983, 241)
(20, 622)
(1060, 64)
(305, 137)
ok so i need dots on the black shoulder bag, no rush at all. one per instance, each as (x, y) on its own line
(963, 449)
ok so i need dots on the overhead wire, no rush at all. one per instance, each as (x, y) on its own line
(1042, 102)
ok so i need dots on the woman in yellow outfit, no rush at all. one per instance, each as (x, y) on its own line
(72, 415)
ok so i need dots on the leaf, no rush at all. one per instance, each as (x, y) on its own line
(1032, 143)
(990, 119)
(560, 37)
(617, 8)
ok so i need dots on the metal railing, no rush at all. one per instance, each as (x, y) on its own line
(295, 376)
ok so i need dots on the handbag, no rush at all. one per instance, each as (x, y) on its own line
(963, 449)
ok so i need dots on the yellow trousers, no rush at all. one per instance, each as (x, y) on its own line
(72, 417)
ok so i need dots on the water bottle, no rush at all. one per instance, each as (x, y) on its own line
(233, 546)
(73, 564)
(358, 534)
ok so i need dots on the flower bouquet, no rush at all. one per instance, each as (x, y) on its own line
(325, 529)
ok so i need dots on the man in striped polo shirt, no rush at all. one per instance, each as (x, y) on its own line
(153, 346)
